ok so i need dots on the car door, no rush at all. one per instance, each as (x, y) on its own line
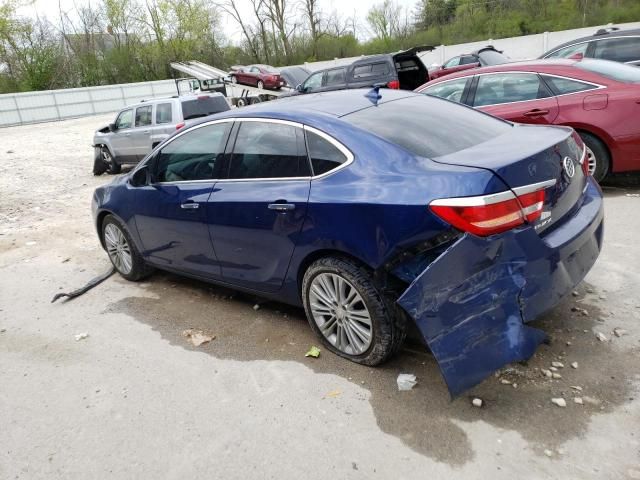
(254, 76)
(334, 79)
(313, 83)
(141, 131)
(163, 125)
(171, 211)
(515, 96)
(121, 141)
(255, 215)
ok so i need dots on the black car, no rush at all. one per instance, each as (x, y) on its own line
(606, 44)
(403, 70)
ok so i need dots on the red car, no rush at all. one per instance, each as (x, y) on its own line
(485, 57)
(261, 76)
(598, 98)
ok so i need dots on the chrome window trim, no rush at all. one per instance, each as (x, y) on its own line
(344, 150)
(596, 86)
(589, 41)
(534, 187)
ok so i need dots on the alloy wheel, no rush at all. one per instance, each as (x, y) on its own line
(591, 161)
(340, 313)
(118, 248)
(261, 84)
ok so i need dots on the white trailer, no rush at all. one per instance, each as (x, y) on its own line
(211, 78)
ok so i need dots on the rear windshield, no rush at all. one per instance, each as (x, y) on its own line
(427, 126)
(613, 70)
(203, 106)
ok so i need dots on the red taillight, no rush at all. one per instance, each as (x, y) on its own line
(179, 126)
(394, 84)
(203, 97)
(490, 214)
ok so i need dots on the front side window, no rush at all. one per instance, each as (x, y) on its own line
(562, 86)
(451, 90)
(454, 62)
(313, 82)
(566, 52)
(268, 150)
(143, 116)
(163, 113)
(193, 155)
(508, 88)
(626, 49)
(125, 119)
(324, 155)
(335, 77)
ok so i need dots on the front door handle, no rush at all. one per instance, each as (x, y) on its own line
(190, 205)
(536, 112)
(281, 207)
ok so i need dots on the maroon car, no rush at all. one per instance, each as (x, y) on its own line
(598, 98)
(261, 76)
(485, 57)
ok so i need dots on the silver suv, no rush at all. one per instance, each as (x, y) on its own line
(139, 128)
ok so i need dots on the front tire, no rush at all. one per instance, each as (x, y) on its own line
(347, 312)
(597, 156)
(122, 252)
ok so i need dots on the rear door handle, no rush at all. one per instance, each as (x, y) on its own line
(281, 207)
(536, 112)
(190, 205)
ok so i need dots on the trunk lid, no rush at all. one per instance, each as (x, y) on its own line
(544, 154)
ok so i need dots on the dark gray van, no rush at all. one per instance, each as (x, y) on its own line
(403, 70)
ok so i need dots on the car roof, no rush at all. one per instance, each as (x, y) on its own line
(331, 104)
(595, 36)
(528, 65)
(181, 98)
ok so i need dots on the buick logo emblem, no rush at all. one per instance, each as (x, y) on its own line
(569, 167)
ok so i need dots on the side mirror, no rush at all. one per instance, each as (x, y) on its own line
(112, 127)
(300, 88)
(140, 177)
(577, 56)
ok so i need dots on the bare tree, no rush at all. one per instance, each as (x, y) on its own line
(231, 8)
(278, 14)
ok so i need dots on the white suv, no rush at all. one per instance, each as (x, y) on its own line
(139, 128)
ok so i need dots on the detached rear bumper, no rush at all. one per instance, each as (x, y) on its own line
(471, 304)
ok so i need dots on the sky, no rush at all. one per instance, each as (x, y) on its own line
(346, 8)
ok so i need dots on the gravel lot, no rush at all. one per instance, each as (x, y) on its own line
(136, 400)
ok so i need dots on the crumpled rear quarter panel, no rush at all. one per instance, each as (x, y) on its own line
(472, 302)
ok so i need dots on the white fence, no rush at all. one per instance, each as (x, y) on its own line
(44, 106)
(518, 48)
(51, 105)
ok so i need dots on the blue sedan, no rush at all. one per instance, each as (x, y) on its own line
(371, 210)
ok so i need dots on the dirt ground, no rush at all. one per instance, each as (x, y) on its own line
(136, 400)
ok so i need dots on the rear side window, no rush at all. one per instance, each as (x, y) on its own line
(143, 116)
(427, 126)
(567, 52)
(509, 88)
(335, 77)
(562, 86)
(614, 70)
(163, 113)
(468, 60)
(193, 155)
(371, 70)
(203, 106)
(451, 90)
(324, 155)
(626, 49)
(268, 150)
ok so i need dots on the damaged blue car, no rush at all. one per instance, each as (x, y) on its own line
(371, 209)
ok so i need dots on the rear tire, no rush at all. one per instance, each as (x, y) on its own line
(597, 156)
(122, 252)
(359, 323)
(260, 84)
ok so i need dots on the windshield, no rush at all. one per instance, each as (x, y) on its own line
(613, 70)
(203, 106)
(491, 57)
(423, 125)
